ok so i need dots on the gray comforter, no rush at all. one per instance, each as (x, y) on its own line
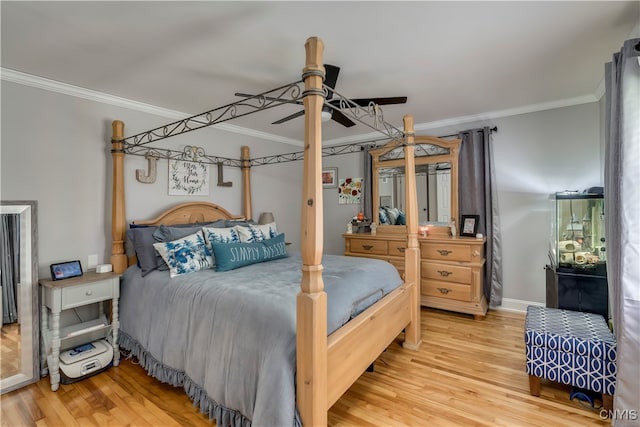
(230, 338)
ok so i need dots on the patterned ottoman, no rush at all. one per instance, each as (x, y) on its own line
(570, 347)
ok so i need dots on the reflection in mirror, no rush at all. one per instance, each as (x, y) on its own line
(436, 181)
(19, 338)
(433, 185)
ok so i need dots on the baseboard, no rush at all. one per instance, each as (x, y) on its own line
(517, 305)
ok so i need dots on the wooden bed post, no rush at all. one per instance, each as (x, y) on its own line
(412, 337)
(118, 256)
(311, 314)
(246, 182)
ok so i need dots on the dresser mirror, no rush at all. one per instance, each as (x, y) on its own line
(19, 301)
(436, 168)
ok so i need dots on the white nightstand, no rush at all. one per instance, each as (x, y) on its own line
(61, 295)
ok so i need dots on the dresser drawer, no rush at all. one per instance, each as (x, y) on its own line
(396, 248)
(398, 264)
(447, 290)
(446, 252)
(446, 272)
(366, 246)
(75, 296)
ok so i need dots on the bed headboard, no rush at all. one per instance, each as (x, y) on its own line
(191, 212)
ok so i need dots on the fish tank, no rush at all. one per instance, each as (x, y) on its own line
(577, 240)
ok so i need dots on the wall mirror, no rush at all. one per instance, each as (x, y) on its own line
(436, 163)
(19, 296)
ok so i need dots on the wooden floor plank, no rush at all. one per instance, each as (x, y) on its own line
(467, 373)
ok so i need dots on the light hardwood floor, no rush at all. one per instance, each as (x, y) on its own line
(467, 373)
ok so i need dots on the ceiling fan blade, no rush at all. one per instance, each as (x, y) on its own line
(331, 77)
(341, 118)
(380, 101)
(292, 116)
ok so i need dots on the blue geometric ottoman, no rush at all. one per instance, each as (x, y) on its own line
(570, 347)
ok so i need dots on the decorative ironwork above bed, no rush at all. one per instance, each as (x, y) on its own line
(292, 93)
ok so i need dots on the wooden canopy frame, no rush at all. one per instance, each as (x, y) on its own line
(326, 365)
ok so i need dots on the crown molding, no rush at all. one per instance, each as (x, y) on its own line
(92, 95)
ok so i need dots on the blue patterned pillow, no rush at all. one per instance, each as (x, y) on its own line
(230, 256)
(382, 216)
(257, 233)
(402, 219)
(221, 235)
(185, 255)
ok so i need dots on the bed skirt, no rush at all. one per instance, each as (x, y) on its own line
(223, 416)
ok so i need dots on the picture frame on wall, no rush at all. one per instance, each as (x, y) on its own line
(329, 177)
(469, 225)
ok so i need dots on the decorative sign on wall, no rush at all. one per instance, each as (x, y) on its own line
(188, 177)
(349, 190)
(148, 177)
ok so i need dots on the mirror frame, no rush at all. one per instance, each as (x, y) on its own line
(453, 145)
(28, 309)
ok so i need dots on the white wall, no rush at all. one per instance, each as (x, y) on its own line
(54, 150)
(536, 154)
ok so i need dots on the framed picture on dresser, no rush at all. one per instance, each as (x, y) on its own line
(469, 225)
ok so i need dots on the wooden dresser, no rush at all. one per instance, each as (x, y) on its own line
(452, 273)
(387, 247)
(451, 269)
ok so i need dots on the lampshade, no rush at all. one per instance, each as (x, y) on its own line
(266, 218)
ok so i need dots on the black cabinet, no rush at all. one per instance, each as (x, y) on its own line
(578, 290)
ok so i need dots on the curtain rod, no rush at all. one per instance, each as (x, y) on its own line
(493, 129)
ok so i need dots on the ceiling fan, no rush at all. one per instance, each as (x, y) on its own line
(331, 77)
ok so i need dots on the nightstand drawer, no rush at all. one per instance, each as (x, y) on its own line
(455, 291)
(447, 273)
(365, 246)
(78, 295)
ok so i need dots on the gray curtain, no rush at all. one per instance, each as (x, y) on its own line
(9, 265)
(622, 221)
(477, 195)
(367, 203)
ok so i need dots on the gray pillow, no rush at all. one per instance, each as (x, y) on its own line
(233, 222)
(168, 233)
(142, 241)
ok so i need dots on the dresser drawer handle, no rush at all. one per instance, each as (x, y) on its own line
(444, 273)
(401, 249)
(367, 247)
(88, 293)
(444, 290)
(444, 252)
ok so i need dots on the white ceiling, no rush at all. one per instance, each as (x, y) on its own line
(452, 59)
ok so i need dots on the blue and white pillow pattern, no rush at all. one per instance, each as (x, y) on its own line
(221, 235)
(185, 255)
(257, 233)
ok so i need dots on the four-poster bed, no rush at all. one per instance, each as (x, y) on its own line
(325, 365)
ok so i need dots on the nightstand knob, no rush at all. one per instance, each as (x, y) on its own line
(444, 290)
(367, 247)
(444, 273)
(443, 252)
(88, 293)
